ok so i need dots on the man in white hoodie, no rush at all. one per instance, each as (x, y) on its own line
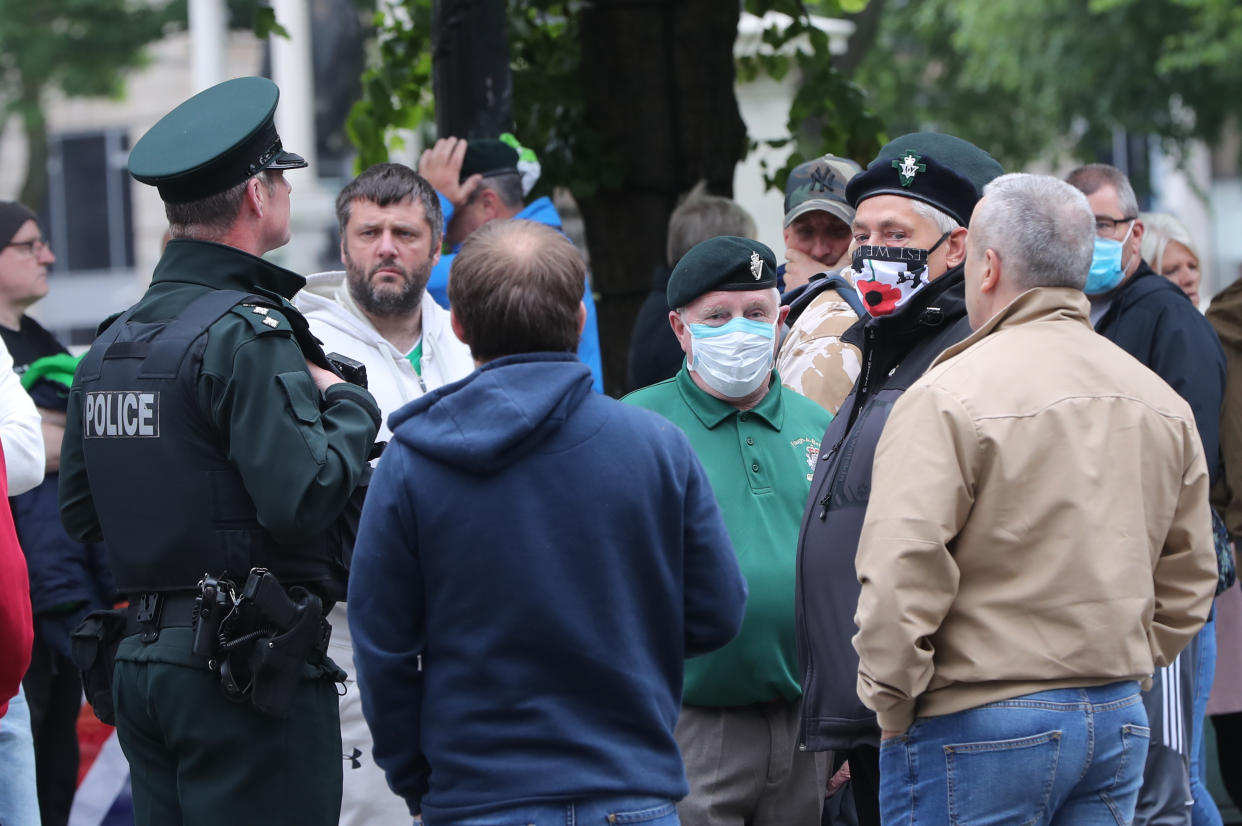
(378, 312)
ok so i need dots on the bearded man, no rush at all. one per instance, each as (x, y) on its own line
(378, 312)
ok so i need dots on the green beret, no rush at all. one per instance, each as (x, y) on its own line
(488, 157)
(946, 172)
(212, 142)
(722, 263)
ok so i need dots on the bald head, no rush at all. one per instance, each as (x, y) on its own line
(516, 287)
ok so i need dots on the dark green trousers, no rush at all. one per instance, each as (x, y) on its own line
(196, 757)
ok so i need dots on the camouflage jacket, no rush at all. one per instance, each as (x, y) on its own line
(813, 360)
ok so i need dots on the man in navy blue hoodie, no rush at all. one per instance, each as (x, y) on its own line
(534, 564)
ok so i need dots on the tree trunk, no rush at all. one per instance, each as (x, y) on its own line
(473, 87)
(657, 81)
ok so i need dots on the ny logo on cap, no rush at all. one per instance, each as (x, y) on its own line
(908, 167)
(823, 179)
(756, 265)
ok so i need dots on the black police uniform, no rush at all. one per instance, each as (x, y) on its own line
(198, 443)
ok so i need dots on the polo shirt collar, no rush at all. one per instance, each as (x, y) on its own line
(711, 411)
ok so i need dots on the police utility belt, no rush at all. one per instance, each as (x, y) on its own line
(258, 639)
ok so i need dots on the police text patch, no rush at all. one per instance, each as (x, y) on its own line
(124, 413)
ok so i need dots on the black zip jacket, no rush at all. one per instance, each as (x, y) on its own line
(896, 350)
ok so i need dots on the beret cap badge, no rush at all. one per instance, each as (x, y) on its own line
(908, 166)
(756, 265)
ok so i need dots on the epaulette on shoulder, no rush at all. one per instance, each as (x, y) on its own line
(263, 319)
(107, 322)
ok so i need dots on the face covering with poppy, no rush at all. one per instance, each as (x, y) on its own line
(886, 278)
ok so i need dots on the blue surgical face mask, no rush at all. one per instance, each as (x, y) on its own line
(735, 358)
(1107, 266)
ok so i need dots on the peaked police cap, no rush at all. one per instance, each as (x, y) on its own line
(212, 142)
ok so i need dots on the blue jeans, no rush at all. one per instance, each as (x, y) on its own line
(1204, 812)
(19, 802)
(1071, 757)
(596, 811)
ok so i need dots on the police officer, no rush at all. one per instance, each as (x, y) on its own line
(208, 439)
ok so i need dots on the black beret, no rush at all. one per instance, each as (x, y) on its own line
(946, 172)
(488, 157)
(212, 142)
(722, 263)
(12, 216)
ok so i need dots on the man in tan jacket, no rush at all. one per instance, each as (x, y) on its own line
(1042, 544)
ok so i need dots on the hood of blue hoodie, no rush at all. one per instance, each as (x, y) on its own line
(497, 414)
(542, 210)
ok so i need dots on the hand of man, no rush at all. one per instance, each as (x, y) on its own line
(323, 378)
(441, 166)
(800, 267)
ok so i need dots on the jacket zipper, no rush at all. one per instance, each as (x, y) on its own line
(823, 503)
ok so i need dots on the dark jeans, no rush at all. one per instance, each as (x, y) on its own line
(1229, 752)
(54, 693)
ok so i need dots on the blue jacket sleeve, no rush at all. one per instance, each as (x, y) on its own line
(715, 590)
(387, 623)
(588, 346)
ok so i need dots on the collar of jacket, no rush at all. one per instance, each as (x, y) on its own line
(1036, 305)
(941, 302)
(223, 267)
(711, 411)
(1126, 294)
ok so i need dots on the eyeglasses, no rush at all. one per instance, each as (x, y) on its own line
(1107, 226)
(31, 248)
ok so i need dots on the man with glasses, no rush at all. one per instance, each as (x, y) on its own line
(67, 578)
(1151, 319)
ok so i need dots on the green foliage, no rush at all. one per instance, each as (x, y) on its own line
(1057, 77)
(397, 88)
(828, 114)
(266, 25)
(83, 47)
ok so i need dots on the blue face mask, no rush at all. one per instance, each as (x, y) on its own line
(735, 358)
(1107, 267)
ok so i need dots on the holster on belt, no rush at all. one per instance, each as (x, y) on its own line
(279, 634)
(94, 644)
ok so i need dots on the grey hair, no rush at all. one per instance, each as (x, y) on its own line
(701, 216)
(1159, 228)
(1041, 227)
(507, 186)
(1092, 177)
(943, 220)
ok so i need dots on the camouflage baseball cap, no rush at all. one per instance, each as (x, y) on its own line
(820, 185)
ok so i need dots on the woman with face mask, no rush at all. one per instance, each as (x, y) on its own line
(1170, 250)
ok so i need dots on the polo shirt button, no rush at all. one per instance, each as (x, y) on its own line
(744, 417)
(755, 467)
(750, 440)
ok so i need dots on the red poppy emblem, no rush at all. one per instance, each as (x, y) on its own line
(880, 298)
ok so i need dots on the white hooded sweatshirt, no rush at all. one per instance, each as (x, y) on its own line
(345, 329)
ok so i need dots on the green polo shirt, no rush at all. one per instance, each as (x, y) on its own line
(760, 463)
